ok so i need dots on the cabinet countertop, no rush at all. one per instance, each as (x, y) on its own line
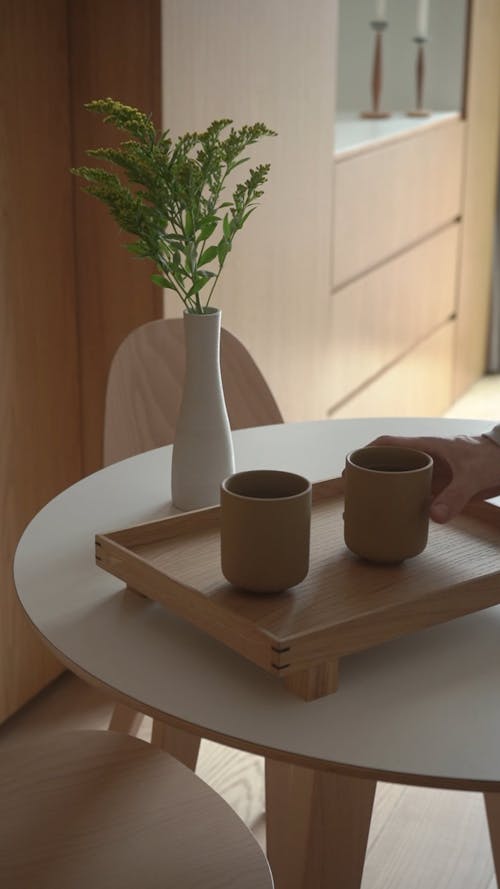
(354, 134)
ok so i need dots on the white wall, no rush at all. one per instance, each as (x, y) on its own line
(444, 55)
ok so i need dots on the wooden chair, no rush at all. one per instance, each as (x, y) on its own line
(142, 402)
(145, 387)
(103, 810)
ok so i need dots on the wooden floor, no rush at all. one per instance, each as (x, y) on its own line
(419, 838)
(480, 402)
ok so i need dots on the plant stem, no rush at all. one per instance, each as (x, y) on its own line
(213, 285)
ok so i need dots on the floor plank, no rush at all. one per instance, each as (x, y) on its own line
(430, 839)
(480, 402)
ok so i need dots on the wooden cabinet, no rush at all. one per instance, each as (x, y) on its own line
(354, 260)
(418, 208)
(384, 314)
(389, 196)
(419, 384)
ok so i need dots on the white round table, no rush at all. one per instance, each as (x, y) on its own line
(424, 709)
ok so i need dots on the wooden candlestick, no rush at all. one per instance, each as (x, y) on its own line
(419, 110)
(375, 112)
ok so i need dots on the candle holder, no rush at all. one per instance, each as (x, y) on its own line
(379, 28)
(419, 110)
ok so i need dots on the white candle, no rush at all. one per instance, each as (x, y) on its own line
(422, 18)
(380, 10)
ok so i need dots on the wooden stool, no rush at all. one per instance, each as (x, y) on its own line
(91, 809)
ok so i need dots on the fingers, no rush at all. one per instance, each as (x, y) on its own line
(465, 467)
(422, 443)
(449, 503)
(440, 513)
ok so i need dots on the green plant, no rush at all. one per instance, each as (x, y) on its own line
(172, 202)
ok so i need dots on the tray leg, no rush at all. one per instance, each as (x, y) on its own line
(317, 827)
(124, 719)
(492, 805)
(184, 746)
(315, 682)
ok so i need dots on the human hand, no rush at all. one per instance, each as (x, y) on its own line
(465, 468)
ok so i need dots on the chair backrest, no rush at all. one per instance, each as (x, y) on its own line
(145, 387)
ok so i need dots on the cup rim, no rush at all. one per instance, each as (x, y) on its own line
(306, 484)
(428, 461)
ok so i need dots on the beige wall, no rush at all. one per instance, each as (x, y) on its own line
(254, 60)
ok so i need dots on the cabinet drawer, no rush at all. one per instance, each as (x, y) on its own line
(418, 385)
(389, 197)
(380, 316)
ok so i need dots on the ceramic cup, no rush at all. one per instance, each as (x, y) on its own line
(387, 499)
(265, 529)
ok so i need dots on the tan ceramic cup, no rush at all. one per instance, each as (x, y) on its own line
(265, 529)
(387, 499)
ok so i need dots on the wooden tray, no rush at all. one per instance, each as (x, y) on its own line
(344, 604)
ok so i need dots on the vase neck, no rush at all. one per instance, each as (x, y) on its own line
(202, 338)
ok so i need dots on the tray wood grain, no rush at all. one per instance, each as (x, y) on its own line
(344, 605)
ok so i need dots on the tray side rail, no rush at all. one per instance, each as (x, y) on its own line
(233, 630)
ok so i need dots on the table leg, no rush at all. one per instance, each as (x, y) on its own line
(316, 682)
(317, 827)
(125, 719)
(184, 746)
(492, 804)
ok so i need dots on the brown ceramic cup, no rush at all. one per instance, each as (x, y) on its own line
(265, 519)
(387, 499)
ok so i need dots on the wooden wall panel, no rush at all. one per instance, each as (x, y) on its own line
(480, 178)
(115, 51)
(39, 389)
(417, 385)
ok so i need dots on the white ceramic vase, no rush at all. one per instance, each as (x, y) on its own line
(203, 452)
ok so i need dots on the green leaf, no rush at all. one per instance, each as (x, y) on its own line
(162, 282)
(188, 224)
(205, 273)
(223, 249)
(136, 248)
(199, 282)
(243, 160)
(226, 226)
(191, 255)
(206, 230)
(208, 255)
